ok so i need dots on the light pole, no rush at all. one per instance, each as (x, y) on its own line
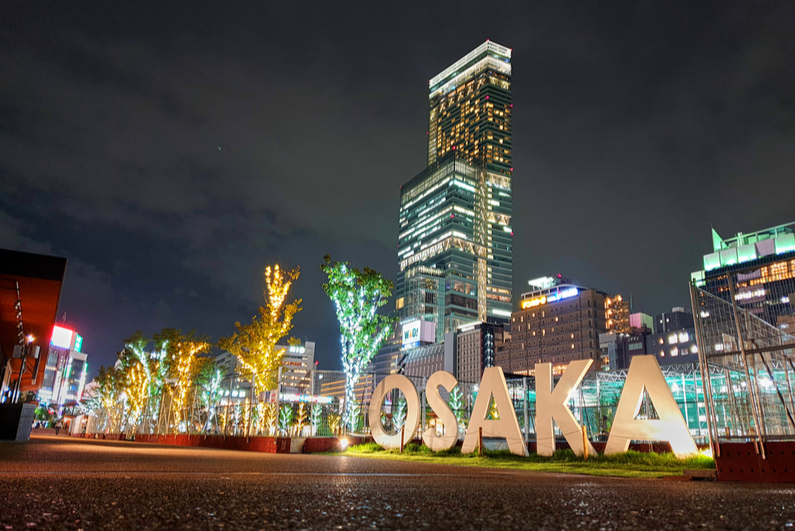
(25, 349)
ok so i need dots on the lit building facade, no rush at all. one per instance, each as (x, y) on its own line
(559, 322)
(673, 346)
(476, 347)
(66, 370)
(641, 321)
(764, 263)
(455, 241)
(471, 108)
(297, 366)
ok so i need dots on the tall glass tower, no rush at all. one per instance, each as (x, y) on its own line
(470, 109)
(455, 241)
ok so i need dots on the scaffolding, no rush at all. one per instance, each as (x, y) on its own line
(749, 360)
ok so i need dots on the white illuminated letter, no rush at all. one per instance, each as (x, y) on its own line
(394, 381)
(443, 412)
(552, 405)
(644, 372)
(507, 427)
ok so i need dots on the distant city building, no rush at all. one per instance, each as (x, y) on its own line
(673, 346)
(333, 385)
(764, 262)
(386, 360)
(422, 362)
(641, 320)
(677, 319)
(297, 364)
(66, 370)
(476, 347)
(455, 236)
(559, 322)
(620, 348)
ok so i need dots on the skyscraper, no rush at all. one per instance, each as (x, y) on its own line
(455, 238)
(470, 109)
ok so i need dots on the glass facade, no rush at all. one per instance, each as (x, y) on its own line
(455, 238)
(470, 109)
(762, 265)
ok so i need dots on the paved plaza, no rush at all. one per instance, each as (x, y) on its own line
(64, 483)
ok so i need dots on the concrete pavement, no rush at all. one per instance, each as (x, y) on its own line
(64, 483)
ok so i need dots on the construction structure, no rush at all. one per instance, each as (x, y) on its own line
(749, 375)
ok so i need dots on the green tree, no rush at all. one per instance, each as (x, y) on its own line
(456, 403)
(179, 365)
(255, 344)
(105, 395)
(357, 296)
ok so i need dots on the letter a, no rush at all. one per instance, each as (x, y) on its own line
(507, 427)
(394, 381)
(552, 405)
(443, 412)
(644, 372)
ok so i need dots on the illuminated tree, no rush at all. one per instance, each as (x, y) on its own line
(271, 418)
(135, 353)
(178, 365)
(357, 295)
(300, 419)
(137, 390)
(493, 413)
(456, 403)
(255, 344)
(314, 417)
(399, 417)
(285, 419)
(334, 422)
(106, 395)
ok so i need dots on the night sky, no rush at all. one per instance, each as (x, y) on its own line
(173, 149)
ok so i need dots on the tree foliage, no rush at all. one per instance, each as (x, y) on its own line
(179, 363)
(357, 296)
(254, 344)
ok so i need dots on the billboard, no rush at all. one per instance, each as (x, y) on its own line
(62, 337)
(418, 331)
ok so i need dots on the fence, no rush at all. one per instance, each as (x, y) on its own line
(749, 360)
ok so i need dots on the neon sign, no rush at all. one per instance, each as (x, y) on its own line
(311, 399)
(553, 297)
(61, 337)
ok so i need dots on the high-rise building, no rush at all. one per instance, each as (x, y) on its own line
(470, 109)
(476, 349)
(455, 237)
(559, 322)
(763, 266)
(66, 369)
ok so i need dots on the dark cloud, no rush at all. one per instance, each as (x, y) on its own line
(172, 150)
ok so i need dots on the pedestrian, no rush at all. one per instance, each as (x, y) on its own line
(58, 426)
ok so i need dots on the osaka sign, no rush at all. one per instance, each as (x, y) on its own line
(644, 374)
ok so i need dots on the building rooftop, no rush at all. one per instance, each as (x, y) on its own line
(748, 247)
(487, 55)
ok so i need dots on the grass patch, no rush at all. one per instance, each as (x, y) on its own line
(630, 464)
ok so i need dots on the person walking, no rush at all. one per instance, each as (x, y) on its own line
(58, 426)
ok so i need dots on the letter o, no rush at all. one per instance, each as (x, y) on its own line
(400, 382)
